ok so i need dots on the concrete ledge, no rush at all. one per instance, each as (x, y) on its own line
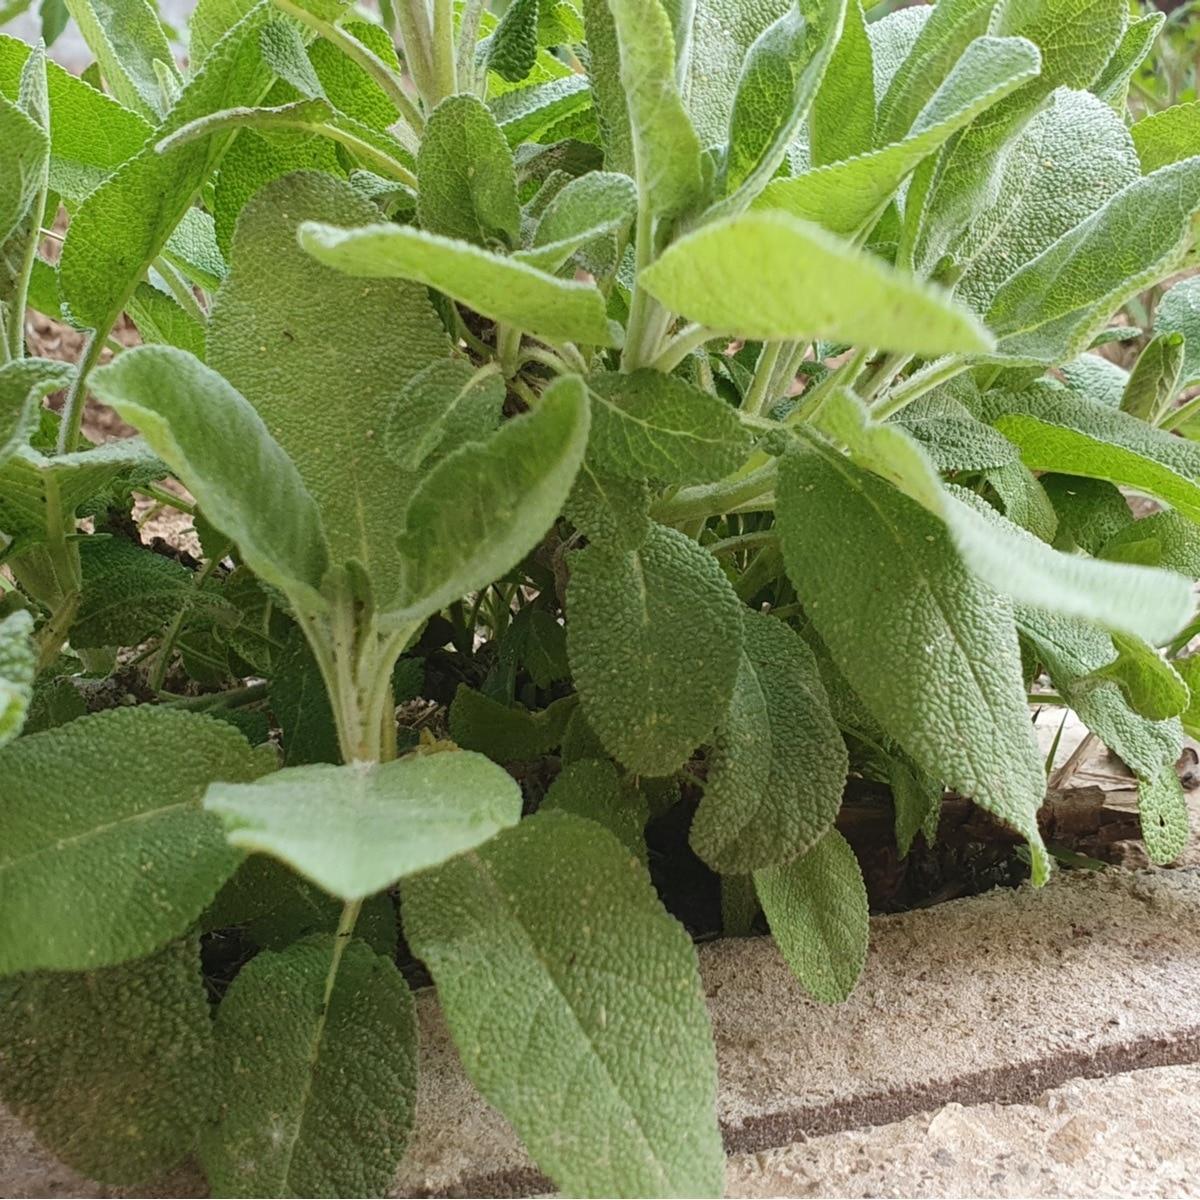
(992, 998)
(986, 1001)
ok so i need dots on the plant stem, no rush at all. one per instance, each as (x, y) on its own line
(390, 166)
(758, 395)
(647, 318)
(710, 499)
(158, 672)
(412, 20)
(73, 406)
(508, 349)
(444, 72)
(181, 290)
(843, 376)
(468, 35)
(690, 338)
(370, 62)
(932, 375)
(20, 289)
(741, 541)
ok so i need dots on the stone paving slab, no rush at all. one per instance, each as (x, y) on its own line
(1129, 1134)
(990, 1001)
(993, 998)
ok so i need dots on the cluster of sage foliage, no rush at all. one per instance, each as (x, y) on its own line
(652, 402)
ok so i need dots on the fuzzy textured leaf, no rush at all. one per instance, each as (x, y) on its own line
(652, 636)
(111, 1068)
(576, 1006)
(18, 664)
(806, 283)
(930, 650)
(356, 829)
(775, 778)
(317, 1074)
(816, 907)
(223, 451)
(90, 803)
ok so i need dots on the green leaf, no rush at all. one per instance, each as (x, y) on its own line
(816, 907)
(1154, 378)
(892, 39)
(79, 159)
(355, 829)
(1145, 603)
(655, 426)
(123, 225)
(18, 666)
(805, 284)
(448, 403)
(317, 1074)
(222, 450)
(941, 41)
(466, 181)
(1071, 651)
(533, 114)
(514, 45)
(1163, 539)
(130, 593)
(1076, 41)
(1073, 156)
(301, 705)
(576, 1006)
(34, 486)
(501, 288)
(1168, 136)
(1132, 51)
(589, 208)
(1163, 811)
(666, 150)
(1151, 685)
(540, 644)
(106, 855)
(591, 788)
(603, 81)
(486, 505)
(161, 321)
(908, 626)
(609, 509)
(1179, 312)
(1096, 378)
(1050, 309)
(917, 799)
(780, 75)
(1057, 431)
(23, 179)
(326, 403)
(305, 114)
(24, 383)
(842, 121)
(775, 777)
(504, 733)
(652, 635)
(127, 39)
(274, 907)
(1189, 670)
(846, 196)
(112, 1069)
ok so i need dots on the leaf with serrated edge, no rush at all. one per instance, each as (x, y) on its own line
(587, 208)
(1179, 312)
(653, 641)
(576, 1006)
(775, 777)
(112, 1068)
(356, 829)
(930, 651)
(221, 449)
(316, 1062)
(106, 856)
(1168, 136)
(806, 283)
(816, 907)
